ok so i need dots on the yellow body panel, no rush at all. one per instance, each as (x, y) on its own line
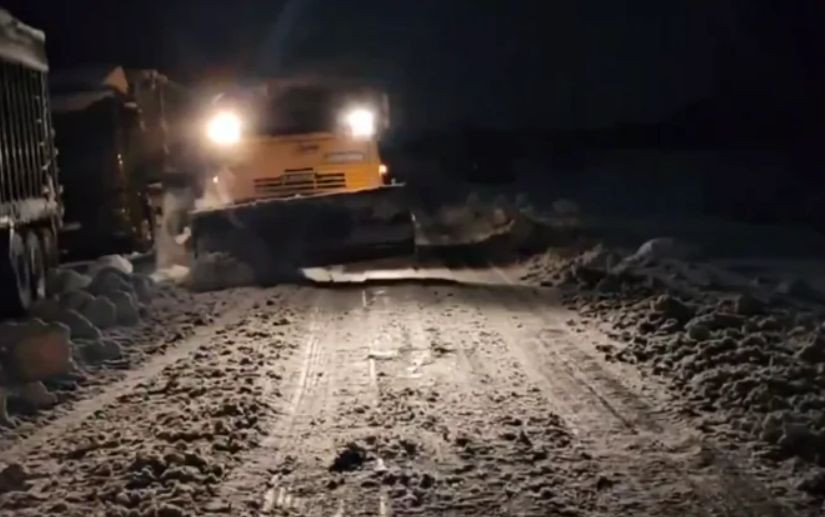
(267, 167)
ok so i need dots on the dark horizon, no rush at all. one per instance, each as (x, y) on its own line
(579, 65)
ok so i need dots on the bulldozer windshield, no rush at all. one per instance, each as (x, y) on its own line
(295, 111)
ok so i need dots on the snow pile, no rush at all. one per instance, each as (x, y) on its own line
(558, 268)
(111, 295)
(68, 329)
(471, 220)
(755, 360)
(536, 229)
(216, 271)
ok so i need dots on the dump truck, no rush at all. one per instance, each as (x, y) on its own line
(30, 205)
(115, 131)
(297, 178)
(99, 132)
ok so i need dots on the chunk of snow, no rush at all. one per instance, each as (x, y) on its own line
(144, 287)
(36, 394)
(118, 262)
(46, 310)
(36, 350)
(101, 312)
(79, 325)
(110, 280)
(66, 280)
(126, 307)
(75, 300)
(98, 350)
(598, 258)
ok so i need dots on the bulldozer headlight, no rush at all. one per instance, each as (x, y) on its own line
(224, 129)
(361, 122)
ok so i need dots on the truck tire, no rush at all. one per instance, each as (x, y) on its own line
(15, 276)
(37, 265)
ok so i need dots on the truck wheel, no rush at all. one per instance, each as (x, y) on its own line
(15, 277)
(37, 265)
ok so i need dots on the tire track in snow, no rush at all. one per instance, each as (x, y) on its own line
(728, 491)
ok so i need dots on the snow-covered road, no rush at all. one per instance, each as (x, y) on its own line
(480, 396)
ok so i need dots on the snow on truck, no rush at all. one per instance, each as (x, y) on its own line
(299, 179)
(30, 206)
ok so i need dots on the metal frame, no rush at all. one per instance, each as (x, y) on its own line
(28, 171)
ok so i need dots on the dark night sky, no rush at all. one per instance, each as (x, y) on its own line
(561, 64)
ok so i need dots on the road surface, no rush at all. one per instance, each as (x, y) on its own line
(461, 394)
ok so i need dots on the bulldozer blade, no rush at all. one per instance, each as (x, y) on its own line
(280, 236)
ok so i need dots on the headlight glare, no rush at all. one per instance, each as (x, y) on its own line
(224, 129)
(361, 122)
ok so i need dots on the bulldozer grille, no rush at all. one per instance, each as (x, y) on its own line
(303, 182)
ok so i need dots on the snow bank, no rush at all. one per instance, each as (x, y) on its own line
(69, 328)
(758, 362)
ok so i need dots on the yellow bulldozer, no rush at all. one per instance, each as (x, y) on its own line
(297, 178)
